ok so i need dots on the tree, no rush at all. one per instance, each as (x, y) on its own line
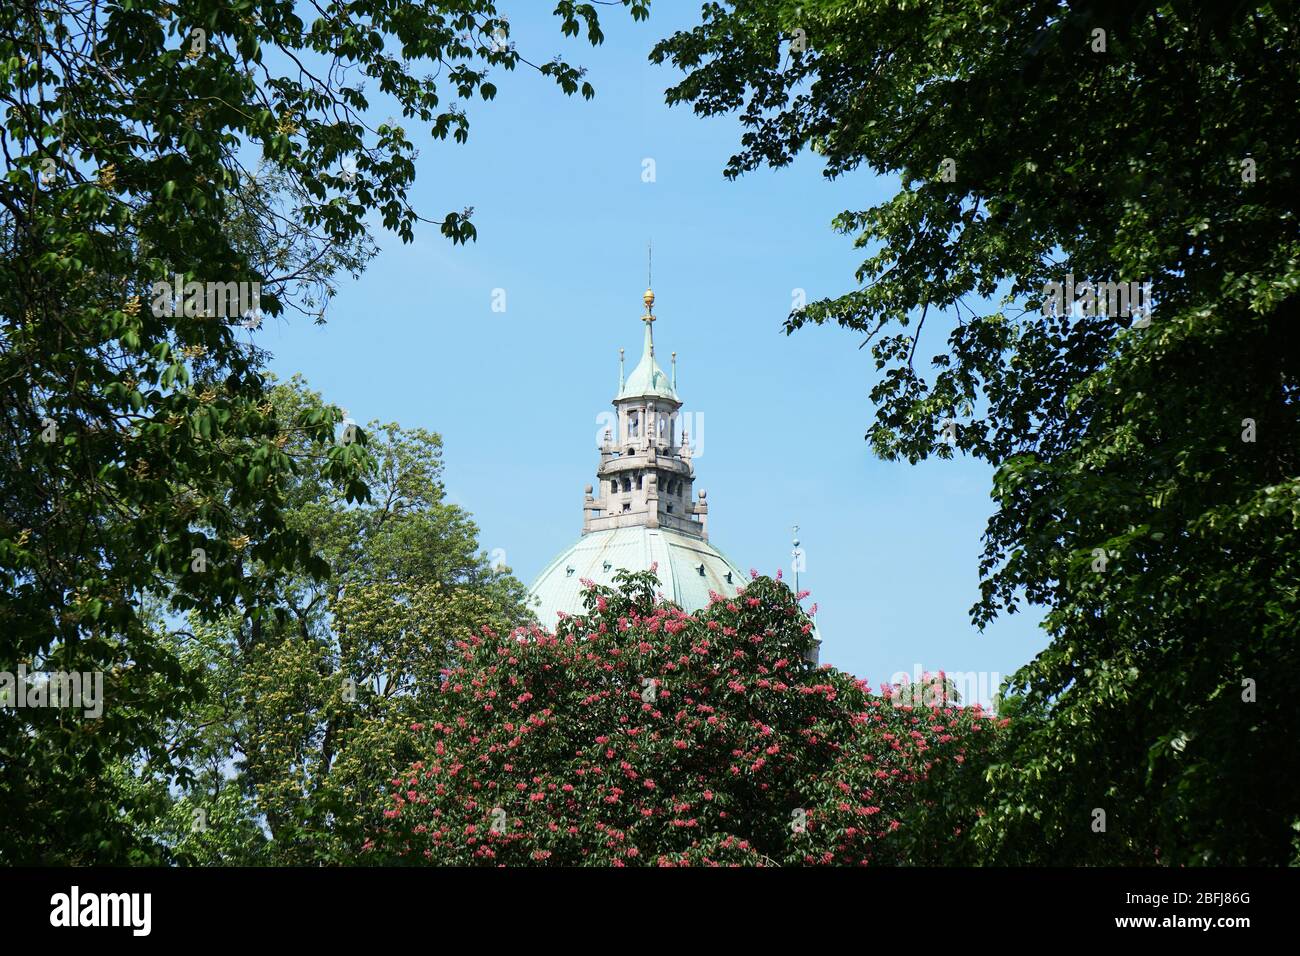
(639, 734)
(133, 410)
(309, 694)
(1147, 453)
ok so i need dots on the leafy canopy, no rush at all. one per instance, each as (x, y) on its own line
(1147, 489)
(138, 443)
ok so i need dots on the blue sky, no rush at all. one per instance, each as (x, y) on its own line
(563, 218)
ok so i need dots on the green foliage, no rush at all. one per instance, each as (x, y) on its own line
(311, 691)
(134, 437)
(1031, 147)
(641, 735)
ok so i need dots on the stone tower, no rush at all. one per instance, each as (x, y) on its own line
(645, 475)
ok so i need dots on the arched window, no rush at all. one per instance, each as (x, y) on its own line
(633, 423)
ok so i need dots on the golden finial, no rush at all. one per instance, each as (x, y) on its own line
(649, 299)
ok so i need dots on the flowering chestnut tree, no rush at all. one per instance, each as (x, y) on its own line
(640, 734)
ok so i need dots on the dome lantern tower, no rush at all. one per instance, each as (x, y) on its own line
(645, 475)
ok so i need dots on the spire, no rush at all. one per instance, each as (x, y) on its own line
(620, 370)
(649, 320)
(649, 300)
(674, 371)
(648, 379)
(648, 346)
(797, 555)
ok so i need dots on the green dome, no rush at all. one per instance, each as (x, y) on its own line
(646, 513)
(648, 380)
(688, 568)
